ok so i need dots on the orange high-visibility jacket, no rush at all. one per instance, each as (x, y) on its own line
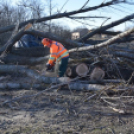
(57, 52)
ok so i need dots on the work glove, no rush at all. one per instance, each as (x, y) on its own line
(48, 67)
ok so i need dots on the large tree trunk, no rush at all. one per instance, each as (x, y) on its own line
(81, 70)
(23, 70)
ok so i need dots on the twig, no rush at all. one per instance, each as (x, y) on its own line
(110, 103)
(85, 4)
(90, 97)
(28, 96)
(120, 111)
(64, 5)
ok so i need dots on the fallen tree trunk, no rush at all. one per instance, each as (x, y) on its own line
(18, 86)
(73, 86)
(127, 55)
(103, 81)
(8, 46)
(81, 86)
(19, 60)
(15, 37)
(110, 41)
(106, 43)
(23, 70)
(103, 28)
(39, 51)
(93, 42)
(81, 70)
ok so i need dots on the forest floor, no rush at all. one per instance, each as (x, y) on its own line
(59, 112)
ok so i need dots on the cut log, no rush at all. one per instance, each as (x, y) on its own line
(97, 74)
(80, 69)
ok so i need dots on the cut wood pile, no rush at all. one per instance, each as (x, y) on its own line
(106, 66)
(106, 60)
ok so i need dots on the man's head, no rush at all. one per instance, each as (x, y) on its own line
(46, 42)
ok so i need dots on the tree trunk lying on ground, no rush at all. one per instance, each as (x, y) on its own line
(39, 80)
(17, 86)
(104, 28)
(73, 86)
(23, 70)
(23, 60)
(9, 45)
(80, 69)
(97, 74)
(104, 44)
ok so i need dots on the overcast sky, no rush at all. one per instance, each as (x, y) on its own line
(115, 13)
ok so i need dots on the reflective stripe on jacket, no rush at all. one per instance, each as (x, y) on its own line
(57, 52)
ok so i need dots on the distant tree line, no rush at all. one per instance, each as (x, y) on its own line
(11, 15)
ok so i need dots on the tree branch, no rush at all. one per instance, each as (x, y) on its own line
(56, 16)
(106, 43)
(103, 28)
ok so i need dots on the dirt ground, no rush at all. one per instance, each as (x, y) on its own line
(60, 112)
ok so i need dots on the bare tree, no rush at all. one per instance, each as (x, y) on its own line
(104, 66)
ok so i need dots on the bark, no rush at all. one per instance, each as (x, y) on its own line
(113, 81)
(103, 81)
(59, 15)
(39, 51)
(96, 41)
(121, 49)
(103, 28)
(73, 86)
(89, 87)
(110, 32)
(124, 55)
(104, 44)
(15, 37)
(8, 46)
(19, 60)
(23, 70)
(17, 86)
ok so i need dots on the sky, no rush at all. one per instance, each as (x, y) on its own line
(114, 13)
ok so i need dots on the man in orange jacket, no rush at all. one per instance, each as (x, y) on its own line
(57, 53)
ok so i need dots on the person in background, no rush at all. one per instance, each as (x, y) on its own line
(58, 53)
